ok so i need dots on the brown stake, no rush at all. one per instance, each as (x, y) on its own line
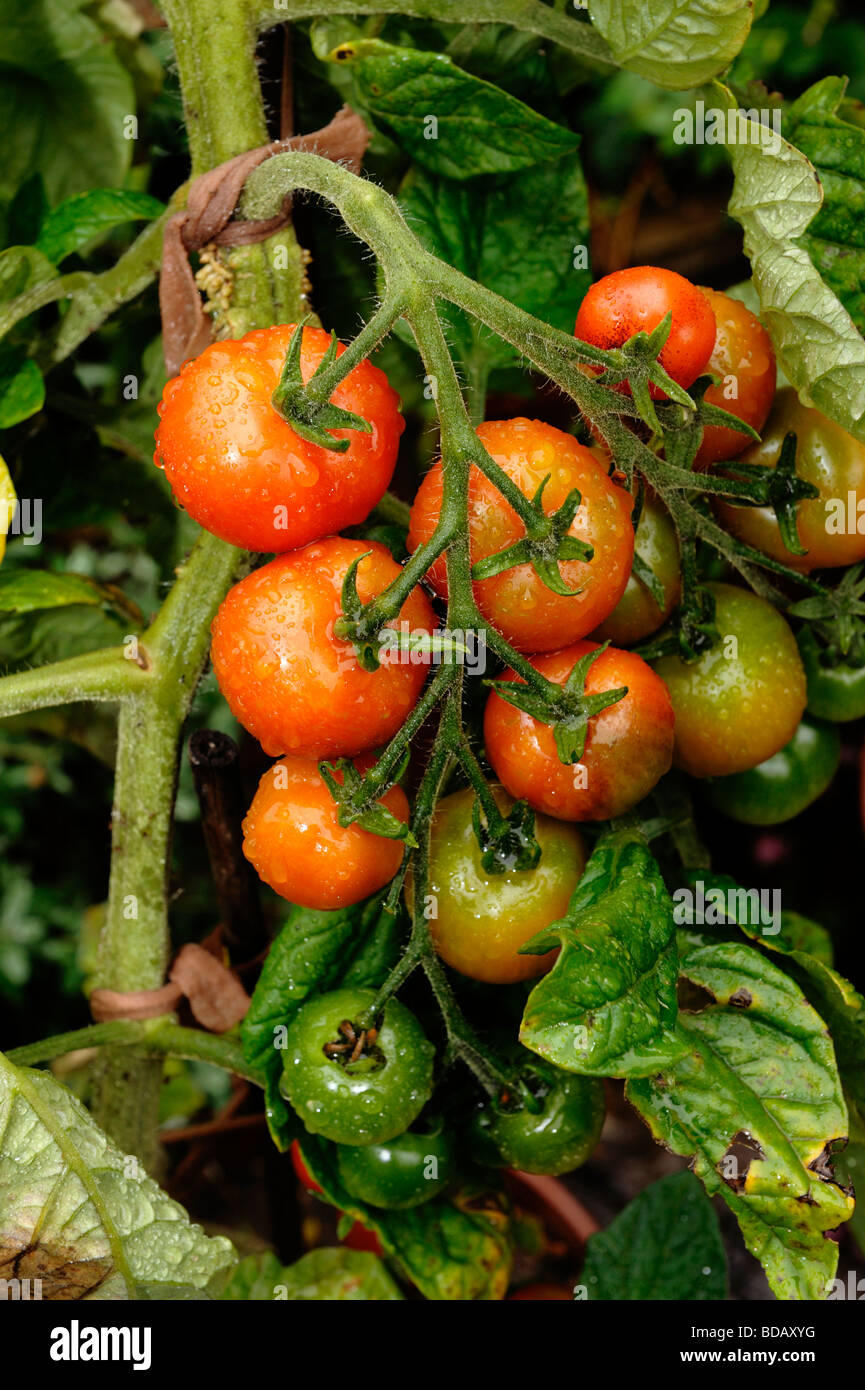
(213, 757)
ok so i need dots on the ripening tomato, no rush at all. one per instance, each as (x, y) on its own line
(295, 843)
(832, 525)
(742, 700)
(635, 301)
(240, 469)
(479, 920)
(637, 615)
(288, 680)
(744, 359)
(629, 745)
(517, 602)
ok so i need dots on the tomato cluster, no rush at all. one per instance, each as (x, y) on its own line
(732, 713)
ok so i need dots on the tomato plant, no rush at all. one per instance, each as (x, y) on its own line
(425, 795)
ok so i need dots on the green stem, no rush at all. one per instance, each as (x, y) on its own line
(220, 1050)
(122, 1030)
(101, 675)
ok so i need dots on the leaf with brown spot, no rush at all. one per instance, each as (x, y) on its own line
(756, 1103)
(76, 1213)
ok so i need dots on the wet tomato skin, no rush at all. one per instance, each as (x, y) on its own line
(744, 359)
(365, 1101)
(288, 680)
(517, 602)
(834, 462)
(238, 467)
(293, 839)
(784, 785)
(629, 745)
(402, 1173)
(636, 300)
(742, 700)
(555, 1136)
(480, 920)
(835, 692)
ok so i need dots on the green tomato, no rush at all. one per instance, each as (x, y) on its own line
(553, 1129)
(782, 786)
(637, 615)
(403, 1172)
(837, 692)
(364, 1101)
(741, 701)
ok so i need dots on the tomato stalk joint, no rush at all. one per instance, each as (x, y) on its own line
(296, 402)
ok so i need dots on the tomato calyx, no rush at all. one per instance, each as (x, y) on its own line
(567, 708)
(309, 415)
(636, 362)
(355, 1044)
(546, 543)
(835, 616)
(780, 488)
(683, 428)
(506, 842)
(357, 799)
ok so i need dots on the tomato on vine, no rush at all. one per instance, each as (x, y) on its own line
(836, 690)
(831, 525)
(635, 301)
(517, 601)
(784, 785)
(744, 359)
(479, 920)
(637, 614)
(629, 745)
(239, 468)
(293, 838)
(742, 700)
(355, 1084)
(550, 1123)
(400, 1173)
(288, 679)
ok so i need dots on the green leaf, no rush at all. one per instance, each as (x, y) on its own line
(37, 637)
(331, 1275)
(81, 218)
(22, 268)
(665, 1245)
(490, 230)
(63, 100)
(455, 1248)
(776, 196)
(75, 1212)
(835, 240)
(314, 951)
(675, 43)
(22, 390)
(449, 121)
(756, 1105)
(608, 1005)
(22, 591)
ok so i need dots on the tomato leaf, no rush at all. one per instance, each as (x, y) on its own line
(22, 591)
(489, 229)
(756, 1105)
(80, 218)
(77, 1213)
(328, 1275)
(835, 240)
(608, 1005)
(456, 1248)
(64, 97)
(665, 1245)
(776, 197)
(675, 43)
(22, 389)
(449, 121)
(315, 951)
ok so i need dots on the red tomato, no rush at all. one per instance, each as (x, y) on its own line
(744, 359)
(359, 1238)
(517, 602)
(290, 682)
(629, 745)
(635, 301)
(295, 843)
(239, 468)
